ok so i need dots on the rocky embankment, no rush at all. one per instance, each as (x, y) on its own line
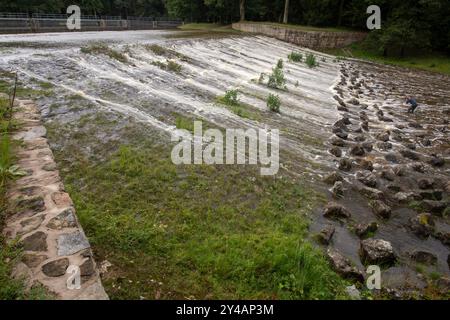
(391, 186)
(42, 218)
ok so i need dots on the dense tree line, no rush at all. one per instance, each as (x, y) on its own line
(406, 24)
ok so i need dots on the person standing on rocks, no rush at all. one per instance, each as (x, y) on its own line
(413, 103)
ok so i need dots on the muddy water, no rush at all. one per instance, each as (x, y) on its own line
(210, 66)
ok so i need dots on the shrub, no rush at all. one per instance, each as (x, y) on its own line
(295, 57)
(311, 61)
(173, 66)
(273, 102)
(276, 79)
(101, 48)
(231, 97)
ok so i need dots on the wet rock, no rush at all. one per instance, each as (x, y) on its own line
(426, 142)
(368, 146)
(360, 138)
(343, 135)
(424, 257)
(400, 170)
(377, 251)
(338, 190)
(415, 125)
(35, 242)
(343, 266)
(388, 174)
(342, 108)
(358, 130)
(403, 197)
(346, 120)
(437, 162)
(367, 178)
(411, 146)
(366, 165)
(435, 207)
(66, 219)
(345, 164)
(341, 124)
(383, 136)
(353, 101)
(425, 183)
(334, 210)
(381, 209)
(384, 146)
(444, 237)
(422, 225)
(391, 157)
(393, 187)
(338, 142)
(371, 193)
(365, 126)
(364, 229)
(357, 150)
(410, 154)
(325, 235)
(380, 113)
(385, 119)
(418, 167)
(364, 106)
(56, 268)
(332, 178)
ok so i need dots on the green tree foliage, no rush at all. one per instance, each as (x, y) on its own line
(407, 25)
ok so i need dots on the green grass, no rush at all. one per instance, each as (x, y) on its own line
(213, 232)
(208, 27)
(101, 48)
(273, 102)
(231, 101)
(434, 62)
(169, 65)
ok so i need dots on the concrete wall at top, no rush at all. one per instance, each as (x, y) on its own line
(308, 39)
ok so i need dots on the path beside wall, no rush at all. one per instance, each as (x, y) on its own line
(308, 39)
(42, 216)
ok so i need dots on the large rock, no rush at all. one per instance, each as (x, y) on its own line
(372, 193)
(332, 178)
(383, 136)
(425, 183)
(338, 189)
(325, 235)
(422, 225)
(364, 229)
(357, 150)
(338, 142)
(388, 174)
(56, 268)
(366, 164)
(345, 164)
(418, 167)
(410, 154)
(367, 178)
(435, 207)
(403, 197)
(335, 210)
(31, 205)
(381, 209)
(377, 251)
(343, 266)
(65, 219)
(437, 162)
(392, 157)
(335, 151)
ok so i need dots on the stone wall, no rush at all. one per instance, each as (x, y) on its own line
(42, 217)
(308, 39)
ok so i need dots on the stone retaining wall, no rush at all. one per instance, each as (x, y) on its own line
(42, 216)
(308, 39)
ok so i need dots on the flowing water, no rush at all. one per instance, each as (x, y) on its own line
(141, 89)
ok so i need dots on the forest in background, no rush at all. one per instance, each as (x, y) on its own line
(408, 26)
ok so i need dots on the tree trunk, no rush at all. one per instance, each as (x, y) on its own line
(286, 11)
(242, 9)
(341, 12)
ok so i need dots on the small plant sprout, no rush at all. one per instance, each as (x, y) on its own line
(273, 102)
(280, 64)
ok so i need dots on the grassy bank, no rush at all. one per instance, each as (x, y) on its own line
(10, 253)
(213, 232)
(434, 62)
(207, 27)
